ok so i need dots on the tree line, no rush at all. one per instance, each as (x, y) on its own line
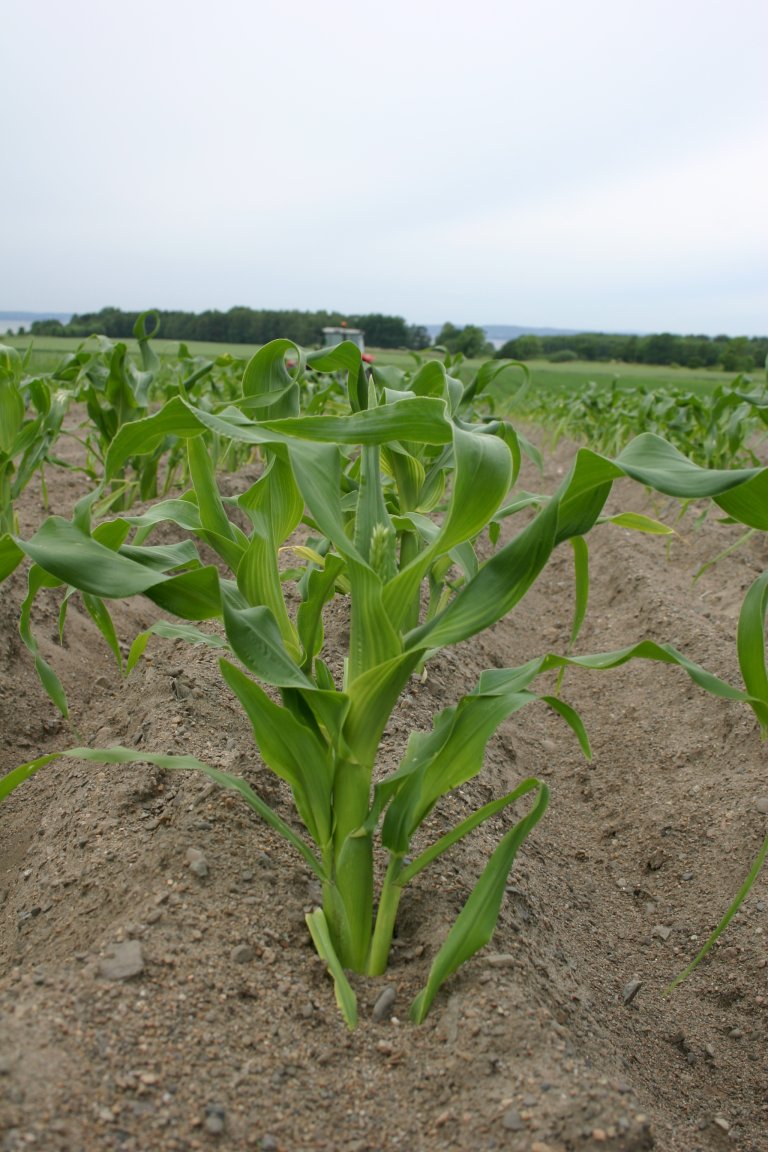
(731, 353)
(250, 326)
(243, 326)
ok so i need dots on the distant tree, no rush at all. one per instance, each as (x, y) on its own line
(447, 336)
(418, 337)
(382, 331)
(470, 340)
(737, 356)
(759, 347)
(661, 348)
(526, 347)
(48, 328)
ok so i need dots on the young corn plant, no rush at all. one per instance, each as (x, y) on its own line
(117, 391)
(363, 481)
(31, 415)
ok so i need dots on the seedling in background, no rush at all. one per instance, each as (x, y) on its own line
(31, 414)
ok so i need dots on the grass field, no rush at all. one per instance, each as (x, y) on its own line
(48, 350)
(579, 372)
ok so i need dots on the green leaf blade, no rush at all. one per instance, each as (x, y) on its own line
(476, 922)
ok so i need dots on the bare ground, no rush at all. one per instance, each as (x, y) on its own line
(228, 1036)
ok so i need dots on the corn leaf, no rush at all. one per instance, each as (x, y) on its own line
(18, 775)
(437, 762)
(750, 643)
(498, 586)
(636, 522)
(483, 474)
(658, 464)
(422, 419)
(317, 468)
(120, 755)
(372, 696)
(10, 556)
(731, 912)
(38, 578)
(191, 595)
(373, 639)
(291, 750)
(268, 383)
(342, 357)
(371, 513)
(140, 437)
(274, 501)
(255, 637)
(581, 573)
(319, 589)
(99, 613)
(475, 923)
(11, 414)
(748, 503)
(159, 557)
(424, 859)
(170, 631)
(76, 558)
(321, 938)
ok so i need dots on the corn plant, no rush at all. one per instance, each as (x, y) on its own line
(31, 415)
(359, 481)
(117, 391)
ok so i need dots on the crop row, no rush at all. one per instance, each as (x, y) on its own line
(381, 484)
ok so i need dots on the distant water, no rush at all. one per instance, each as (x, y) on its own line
(14, 321)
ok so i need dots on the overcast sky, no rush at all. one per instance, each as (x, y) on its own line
(600, 164)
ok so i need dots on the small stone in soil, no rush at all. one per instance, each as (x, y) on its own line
(512, 1121)
(242, 954)
(631, 990)
(215, 1119)
(501, 960)
(197, 862)
(762, 804)
(122, 961)
(383, 1006)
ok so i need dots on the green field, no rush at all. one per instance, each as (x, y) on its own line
(580, 372)
(48, 350)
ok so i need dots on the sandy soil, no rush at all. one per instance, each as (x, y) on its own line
(226, 1034)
